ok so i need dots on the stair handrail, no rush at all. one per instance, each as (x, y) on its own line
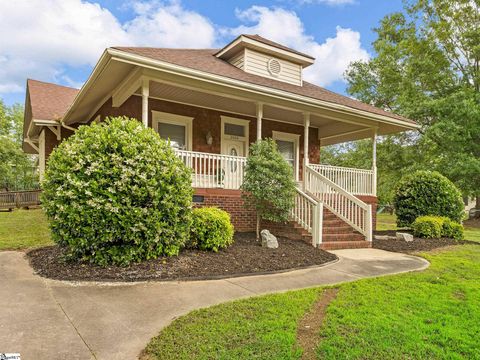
(308, 213)
(354, 211)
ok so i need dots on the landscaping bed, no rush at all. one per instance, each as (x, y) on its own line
(418, 244)
(244, 257)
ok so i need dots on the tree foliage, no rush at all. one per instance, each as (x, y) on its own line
(268, 185)
(115, 192)
(427, 67)
(17, 169)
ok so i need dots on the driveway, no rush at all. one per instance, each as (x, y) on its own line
(49, 319)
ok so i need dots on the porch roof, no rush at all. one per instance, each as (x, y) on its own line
(205, 60)
(45, 101)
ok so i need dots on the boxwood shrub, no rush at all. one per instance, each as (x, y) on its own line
(452, 230)
(430, 227)
(211, 229)
(427, 193)
(116, 193)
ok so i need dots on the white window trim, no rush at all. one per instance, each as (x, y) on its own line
(295, 138)
(175, 119)
(236, 121)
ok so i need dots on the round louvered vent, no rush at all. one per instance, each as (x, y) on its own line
(274, 67)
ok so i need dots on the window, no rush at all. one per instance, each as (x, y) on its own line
(287, 149)
(175, 133)
(288, 146)
(234, 129)
(176, 128)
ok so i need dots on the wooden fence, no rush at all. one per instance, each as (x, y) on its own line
(19, 199)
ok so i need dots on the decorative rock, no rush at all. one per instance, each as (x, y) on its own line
(268, 239)
(404, 236)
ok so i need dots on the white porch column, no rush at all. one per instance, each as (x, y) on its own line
(145, 94)
(259, 120)
(306, 125)
(374, 161)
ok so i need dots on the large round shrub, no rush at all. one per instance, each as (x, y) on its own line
(211, 229)
(427, 193)
(115, 192)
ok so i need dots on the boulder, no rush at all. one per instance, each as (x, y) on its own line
(268, 239)
(404, 236)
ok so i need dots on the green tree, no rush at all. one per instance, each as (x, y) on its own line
(268, 185)
(427, 67)
(17, 169)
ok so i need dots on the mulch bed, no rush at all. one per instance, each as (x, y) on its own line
(416, 245)
(244, 257)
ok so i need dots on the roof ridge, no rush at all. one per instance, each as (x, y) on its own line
(51, 83)
(162, 48)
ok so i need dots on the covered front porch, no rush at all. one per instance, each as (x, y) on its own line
(211, 126)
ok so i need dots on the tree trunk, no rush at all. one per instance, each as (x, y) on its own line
(477, 203)
(258, 226)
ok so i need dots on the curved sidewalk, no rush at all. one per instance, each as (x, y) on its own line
(48, 319)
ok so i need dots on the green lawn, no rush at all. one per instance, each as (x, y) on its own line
(388, 222)
(22, 229)
(434, 314)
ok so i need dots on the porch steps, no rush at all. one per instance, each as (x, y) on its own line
(337, 234)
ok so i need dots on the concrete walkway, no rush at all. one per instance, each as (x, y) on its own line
(48, 319)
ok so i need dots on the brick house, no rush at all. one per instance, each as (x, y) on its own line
(212, 104)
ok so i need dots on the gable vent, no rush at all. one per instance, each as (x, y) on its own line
(274, 67)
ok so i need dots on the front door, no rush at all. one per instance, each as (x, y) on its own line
(231, 167)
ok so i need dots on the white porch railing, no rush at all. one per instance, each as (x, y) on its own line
(308, 213)
(346, 206)
(355, 181)
(214, 170)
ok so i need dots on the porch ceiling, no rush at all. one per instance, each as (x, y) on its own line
(332, 131)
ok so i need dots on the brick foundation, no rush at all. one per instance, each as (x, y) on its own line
(230, 201)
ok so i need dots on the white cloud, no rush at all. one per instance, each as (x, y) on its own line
(40, 38)
(169, 25)
(332, 57)
(46, 39)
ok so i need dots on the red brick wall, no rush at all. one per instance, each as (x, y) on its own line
(205, 120)
(230, 201)
(51, 140)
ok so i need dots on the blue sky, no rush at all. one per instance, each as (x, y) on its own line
(60, 40)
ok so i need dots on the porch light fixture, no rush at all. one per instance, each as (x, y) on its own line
(209, 138)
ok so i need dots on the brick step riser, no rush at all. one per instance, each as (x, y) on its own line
(343, 237)
(345, 245)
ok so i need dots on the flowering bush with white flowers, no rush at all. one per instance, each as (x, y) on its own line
(116, 193)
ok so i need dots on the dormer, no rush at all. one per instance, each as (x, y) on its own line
(257, 55)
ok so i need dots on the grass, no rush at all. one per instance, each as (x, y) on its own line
(388, 222)
(23, 229)
(434, 314)
(256, 328)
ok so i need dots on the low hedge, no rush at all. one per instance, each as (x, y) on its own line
(211, 229)
(452, 229)
(430, 227)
